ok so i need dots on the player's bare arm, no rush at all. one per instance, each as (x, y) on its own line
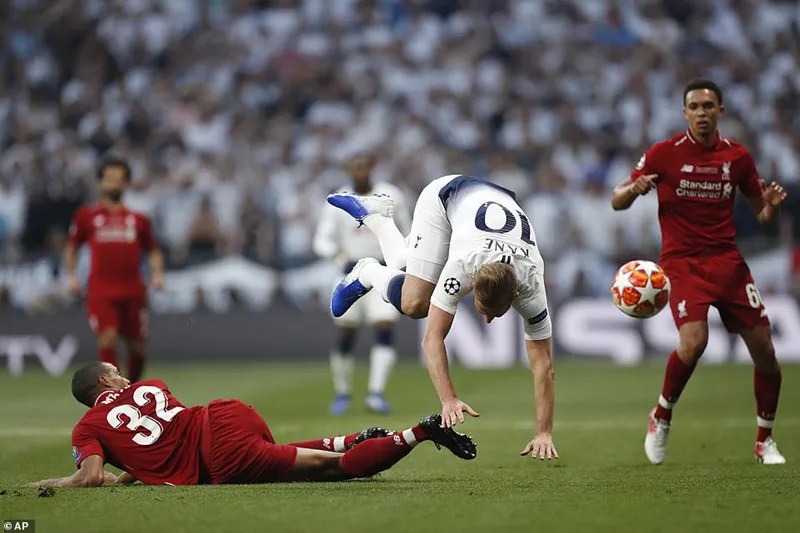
(90, 474)
(437, 328)
(71, 266)
(767, 206)
(156, 261)
(540, 358)
(626, 192)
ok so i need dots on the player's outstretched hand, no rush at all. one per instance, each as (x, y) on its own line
(157, 282)
(774, 195)
(643, 185)
(541, 446)
(453, 412)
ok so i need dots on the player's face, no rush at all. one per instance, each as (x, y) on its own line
(360, 169)
(113, 380)
(113, 183)
(702, 110)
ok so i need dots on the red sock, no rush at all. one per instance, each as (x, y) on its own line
(135, 366)
(331, 444)
(107, 354)
(767, 388)
(675, 379)
(376, 455)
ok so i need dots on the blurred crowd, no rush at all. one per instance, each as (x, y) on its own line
(237, 115)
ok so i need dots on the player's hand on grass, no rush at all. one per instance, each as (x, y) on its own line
(453, 412)
(643, 185)
(774, 195)
(110, 478)
(542, 446)
(157, 282)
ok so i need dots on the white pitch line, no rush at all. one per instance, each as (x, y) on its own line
(472, 425)
(578, 425)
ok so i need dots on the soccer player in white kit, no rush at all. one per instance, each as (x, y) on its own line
(337, 239)
(467, 234)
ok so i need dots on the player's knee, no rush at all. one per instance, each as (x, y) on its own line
(324, 463)
(415, 307)
(346, 340)
(384, 336)
(692, 346)
(108, 338)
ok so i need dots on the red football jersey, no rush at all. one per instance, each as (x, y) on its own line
(116, 240)
(696, 189)
(144, 431)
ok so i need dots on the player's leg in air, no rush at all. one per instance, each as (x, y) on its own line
(423, 253)
(134, 322)
(104, 321)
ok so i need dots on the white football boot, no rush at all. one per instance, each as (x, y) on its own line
(767, 453)
(359, 207)
(655, 442)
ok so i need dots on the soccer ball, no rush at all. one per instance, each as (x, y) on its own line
(640, 289)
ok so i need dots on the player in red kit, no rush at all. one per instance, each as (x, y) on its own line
(695, 175)
(116, 297)
(145, 431)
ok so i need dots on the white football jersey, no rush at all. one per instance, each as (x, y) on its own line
(338, 235)
(489, 226)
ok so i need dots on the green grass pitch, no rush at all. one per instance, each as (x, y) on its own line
(602, 482)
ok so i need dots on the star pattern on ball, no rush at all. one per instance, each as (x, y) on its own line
(452, 286)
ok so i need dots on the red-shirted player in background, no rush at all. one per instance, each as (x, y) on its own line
(116, 297)
(145, 431)
(695, 175)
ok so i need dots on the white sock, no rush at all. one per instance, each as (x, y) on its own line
(381, 362)
(342, 368)
(410, 438)
(375, 276)
(393, 244)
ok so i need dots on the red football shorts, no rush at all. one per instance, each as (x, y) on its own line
(242, 447)
(126, 315)
(722, 280)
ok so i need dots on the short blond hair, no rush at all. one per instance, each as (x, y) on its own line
(495, 285)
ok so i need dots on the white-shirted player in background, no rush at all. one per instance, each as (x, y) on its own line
(337, 239)
(467, 235)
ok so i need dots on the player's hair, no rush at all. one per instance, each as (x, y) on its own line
(86, 382)
(702, 83)
(495, 285)
(113, 161)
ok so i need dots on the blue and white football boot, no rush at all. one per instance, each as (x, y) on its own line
(340, 405)
(376, 403)
(359, 207)
(349, 290)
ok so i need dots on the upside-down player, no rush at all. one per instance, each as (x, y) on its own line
(143, 430)
(116, 297)
(467, 234)
(696, 174)
(336, 238)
